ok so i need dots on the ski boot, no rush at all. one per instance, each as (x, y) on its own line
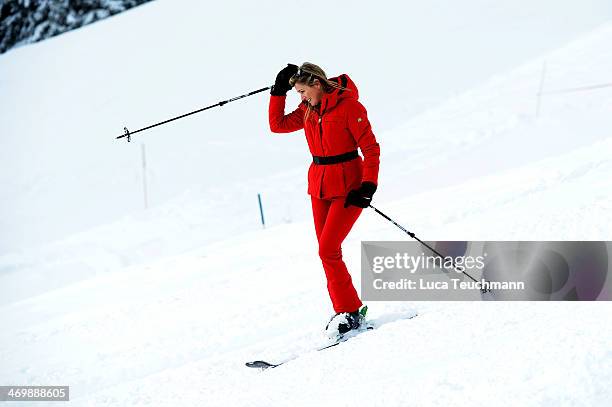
(344, 322)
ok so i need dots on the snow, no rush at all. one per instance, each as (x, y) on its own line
(164, 306)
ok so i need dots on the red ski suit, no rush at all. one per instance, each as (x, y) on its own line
(340, 125)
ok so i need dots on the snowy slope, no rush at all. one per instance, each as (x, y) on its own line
(65, 99)
(177, 331)
(163, 307)
(490, 129)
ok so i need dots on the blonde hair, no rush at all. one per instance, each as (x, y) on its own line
(307, 74)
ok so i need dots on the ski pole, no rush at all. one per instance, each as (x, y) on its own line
(129, 134)
(412, 235)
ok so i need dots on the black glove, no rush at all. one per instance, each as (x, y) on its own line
(362, 196)
(281, 86)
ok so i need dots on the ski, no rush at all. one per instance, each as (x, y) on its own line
(263, 365)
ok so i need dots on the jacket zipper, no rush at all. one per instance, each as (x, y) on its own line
(321, 126)
(322, 150)
(321, 140)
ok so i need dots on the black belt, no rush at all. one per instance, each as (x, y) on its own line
(335, 159)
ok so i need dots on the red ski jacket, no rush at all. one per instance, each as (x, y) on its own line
(339, 126)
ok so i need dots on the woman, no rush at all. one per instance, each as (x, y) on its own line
(340, 183)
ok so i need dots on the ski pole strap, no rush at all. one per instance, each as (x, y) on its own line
(335, 159)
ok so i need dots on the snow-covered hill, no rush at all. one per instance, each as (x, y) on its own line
(484, 153)
(163, 307)
(66, 98)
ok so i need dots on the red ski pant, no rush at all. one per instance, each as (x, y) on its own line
(333, 222)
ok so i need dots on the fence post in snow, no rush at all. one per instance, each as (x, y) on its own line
(541, 89)
(144, 176)
(263, 222)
